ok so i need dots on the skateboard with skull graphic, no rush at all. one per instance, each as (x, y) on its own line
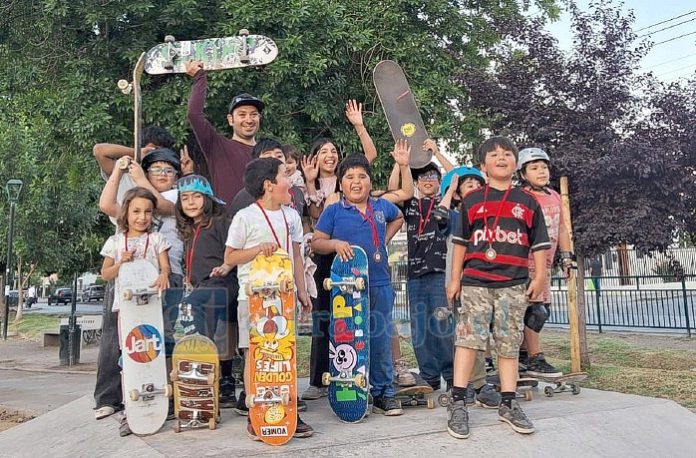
(349, 337)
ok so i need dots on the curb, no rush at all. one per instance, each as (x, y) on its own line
(49, 371)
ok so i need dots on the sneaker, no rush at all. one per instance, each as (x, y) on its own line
(488, 397)
(313, 392)
(458, 419)
(104, 411)
(402, 375)
(537, 365)
(515, 417)
(251, 433)
(123, 429)
(228, 398)
(387, 405)
(434, 384)
(303, 429)
(470, 395)
(301, 405)
(241, 407)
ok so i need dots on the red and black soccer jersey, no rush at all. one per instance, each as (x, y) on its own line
(520, 228)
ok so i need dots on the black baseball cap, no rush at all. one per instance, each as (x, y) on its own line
(246, 99)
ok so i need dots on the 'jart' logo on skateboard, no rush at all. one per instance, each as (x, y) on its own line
(143, 344)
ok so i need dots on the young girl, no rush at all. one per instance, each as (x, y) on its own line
(202, 222)
(293, 157)
(135, 241)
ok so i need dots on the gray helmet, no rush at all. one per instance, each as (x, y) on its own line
(528, 155)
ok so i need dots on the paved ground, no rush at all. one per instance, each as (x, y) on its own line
(595, 423)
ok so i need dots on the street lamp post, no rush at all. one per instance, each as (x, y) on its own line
(13, 188)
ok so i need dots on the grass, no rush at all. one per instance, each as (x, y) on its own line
(31, 326)
(634, 366)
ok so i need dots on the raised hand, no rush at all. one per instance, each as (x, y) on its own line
(431, 145)
(354, 113)
(192, 67)
(310, 168)
(186, 161)
(402, 152)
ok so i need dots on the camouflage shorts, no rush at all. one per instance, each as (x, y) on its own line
(492, 311)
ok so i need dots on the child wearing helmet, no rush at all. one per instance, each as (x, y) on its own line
(533, 172)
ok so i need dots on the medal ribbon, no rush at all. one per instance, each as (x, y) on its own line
(424, 222)
(370, 218)
(189, 255)
(498, 213)
(287, 228)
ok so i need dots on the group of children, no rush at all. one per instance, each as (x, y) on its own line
(479, 247)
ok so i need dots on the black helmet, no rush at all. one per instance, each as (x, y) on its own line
(161, 155)
(246, 99)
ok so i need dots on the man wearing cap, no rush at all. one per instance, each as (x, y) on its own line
(226, 157)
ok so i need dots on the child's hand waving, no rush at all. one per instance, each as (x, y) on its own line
(402, 152)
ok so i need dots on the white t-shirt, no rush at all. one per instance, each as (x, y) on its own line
(249, 228)
(168, 230)
(115, 246)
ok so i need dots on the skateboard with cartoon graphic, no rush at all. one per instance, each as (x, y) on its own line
(133, 87)
(141, 328)
(403, 116)
(196, 379)
(244, 50)
(349, 337)
(272, 394)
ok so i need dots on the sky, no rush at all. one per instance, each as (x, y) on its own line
(668, 61)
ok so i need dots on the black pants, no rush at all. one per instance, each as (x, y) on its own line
(321, 312)
(107, 391)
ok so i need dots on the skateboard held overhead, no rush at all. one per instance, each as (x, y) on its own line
(224, 53)
(400, 108)
(141, 327)
(272, 395)
(349, 337)
(133, 87)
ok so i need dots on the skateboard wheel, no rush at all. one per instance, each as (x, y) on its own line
(128, 294)
(212, 424)
(360, 283)
(210, 378)
(443, 400)
(360, 381)
(548, 391)
(134, 395)
(431, 403)
(124, 86)
(243, 32)
(169, 39)
(167, 390)
(326, 378)
(174, 375)
(575, 389)
(328, 284)
(248, 289)
(284, 286)
(528, 395)
(177, 426)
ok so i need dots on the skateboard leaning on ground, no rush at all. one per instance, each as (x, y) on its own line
(133, 87)
(141, 327)
(399, 104)
(224, 53)
(420, 394)
(196, 379)
(563, 383)
(349, 339)
(272, 394)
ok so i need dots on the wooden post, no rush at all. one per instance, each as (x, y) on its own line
(572, 286)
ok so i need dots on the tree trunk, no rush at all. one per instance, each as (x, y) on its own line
(624, 265)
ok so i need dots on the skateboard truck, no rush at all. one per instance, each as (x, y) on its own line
(142, 295)
(149, 391)
(267, 396)
(345, 378)
(244, 57)
(125, 86)
(194, 374)
(196, 421)
(269, 288)
(346, 284)
(172, 53)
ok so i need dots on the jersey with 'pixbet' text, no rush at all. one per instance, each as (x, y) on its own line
(521, 228)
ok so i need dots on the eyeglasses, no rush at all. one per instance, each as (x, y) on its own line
(432, 176)
(166, 171)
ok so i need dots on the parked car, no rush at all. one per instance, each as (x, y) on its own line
(14, 299)
(60, 296)
(93, 292)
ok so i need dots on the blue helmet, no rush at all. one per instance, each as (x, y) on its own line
(462, 172)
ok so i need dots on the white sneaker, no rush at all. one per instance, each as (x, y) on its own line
(402, 375)
(104, 412)
(313, 392)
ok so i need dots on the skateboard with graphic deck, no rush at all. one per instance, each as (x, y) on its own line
(524, 385)
(349, 337)
(141, 328)
(400, 108)
(224, 53)
(563, 383)
(196, 378)
(272, 394)
(420, 394)
(133, 87)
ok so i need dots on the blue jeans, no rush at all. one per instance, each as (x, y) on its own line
(432, 339)
(381, 367)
